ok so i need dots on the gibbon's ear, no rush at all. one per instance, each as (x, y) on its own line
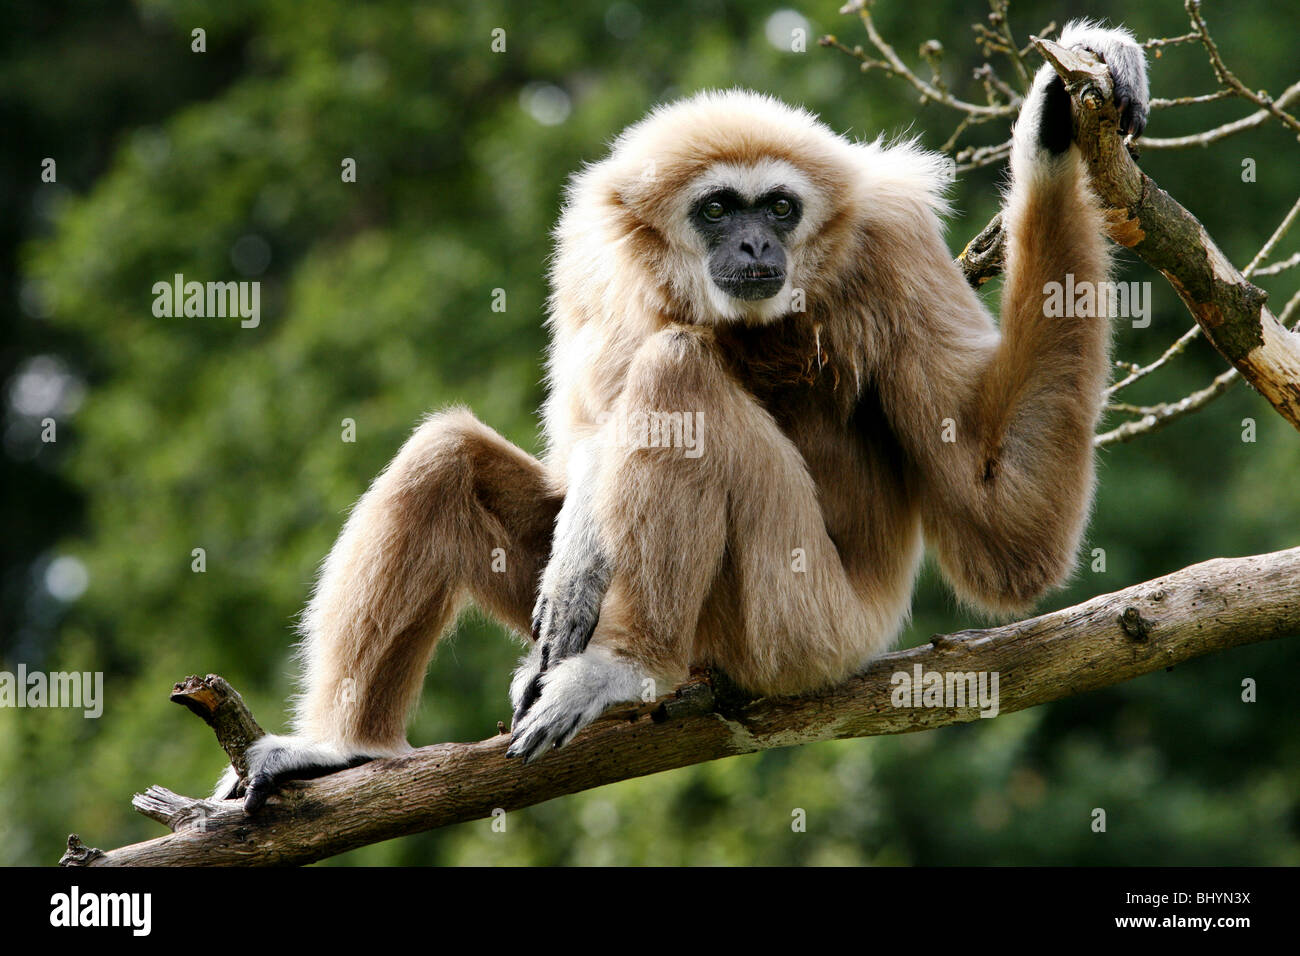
(904, 171)
(896, 231)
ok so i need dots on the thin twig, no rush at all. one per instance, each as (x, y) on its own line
(1209, 136)
(1161, 104)
(1290, 262)
(1158, 42)
(1267, 249)
(980, 156)
(1141, 372)
(894, 65)
(1226, 76)
(1156, 417)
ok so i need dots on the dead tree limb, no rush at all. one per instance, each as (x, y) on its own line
(1148, 627)
(1229, 309)
(224, 711)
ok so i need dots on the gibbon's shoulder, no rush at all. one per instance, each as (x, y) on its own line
(657, 156)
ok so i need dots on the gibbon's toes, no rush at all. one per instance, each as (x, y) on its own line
(526, 685)
(273, 761)
(573, 694)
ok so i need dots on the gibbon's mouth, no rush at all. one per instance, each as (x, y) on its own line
(752, 283)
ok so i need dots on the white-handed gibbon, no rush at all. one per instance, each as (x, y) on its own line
(736, 266)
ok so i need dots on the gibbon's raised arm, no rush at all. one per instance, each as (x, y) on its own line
(1001, 428)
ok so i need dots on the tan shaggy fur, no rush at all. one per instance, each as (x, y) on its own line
(786, 551)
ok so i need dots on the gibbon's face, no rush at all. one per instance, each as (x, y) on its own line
(746, 238)
(729, 206)
(740, 233)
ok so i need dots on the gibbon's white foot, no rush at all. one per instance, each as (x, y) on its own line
(274, 759)
(574, 692)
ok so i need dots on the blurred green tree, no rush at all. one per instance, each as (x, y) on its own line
(377, 306)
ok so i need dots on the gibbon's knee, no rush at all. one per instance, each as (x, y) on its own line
(473, 489)
(401, 538)
(418, 540)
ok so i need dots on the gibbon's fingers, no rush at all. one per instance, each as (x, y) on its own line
(573, 694)
(564, 624)
(1125, 60)
(1127, 65)
(564, 634)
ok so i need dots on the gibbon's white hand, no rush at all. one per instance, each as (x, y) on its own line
(573, 586)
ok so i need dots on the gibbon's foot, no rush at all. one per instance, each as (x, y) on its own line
(526, 684)
(573, 693)
(564, 619)
(273, 760)
(1126, 62)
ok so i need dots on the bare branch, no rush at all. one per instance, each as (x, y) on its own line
(1266, 250)
(1162, 104)
(1209, 136)
(1002, 39)
(1156, 417)
(1290, 262)
(977, 157)
(1141, 372)
(893, 64)
(1226, 77)
(1157, 43)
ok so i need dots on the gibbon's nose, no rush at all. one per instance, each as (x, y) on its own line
(756, 247)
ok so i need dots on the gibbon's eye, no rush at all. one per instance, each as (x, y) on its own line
(781, 208)
(713, 211)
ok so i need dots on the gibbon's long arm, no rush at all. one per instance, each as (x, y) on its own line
(575, 580)
(1003, 435)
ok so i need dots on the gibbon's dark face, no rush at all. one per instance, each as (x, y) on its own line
(746, 240)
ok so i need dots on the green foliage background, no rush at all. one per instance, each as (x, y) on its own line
(376, 306)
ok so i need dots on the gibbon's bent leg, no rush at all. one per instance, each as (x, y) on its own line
(417, 544)
(1006, 502)
(670, 523)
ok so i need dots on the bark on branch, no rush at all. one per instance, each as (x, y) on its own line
(1229, 308)
(1112, 638)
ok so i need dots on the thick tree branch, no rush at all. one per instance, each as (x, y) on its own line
(1209, 607)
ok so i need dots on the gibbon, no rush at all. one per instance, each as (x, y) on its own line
(736, 271)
